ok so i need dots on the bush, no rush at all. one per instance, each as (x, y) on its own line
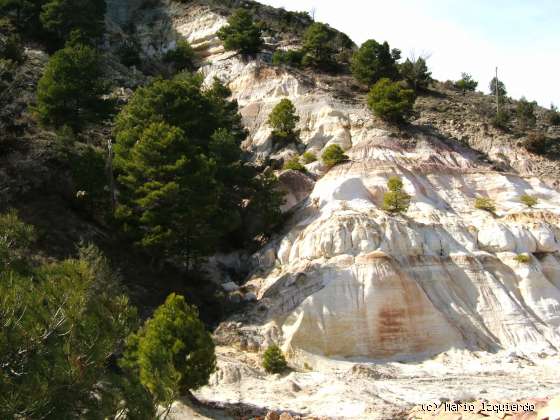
(15, 239)
(181, 57)
(273, 360)
(283, 120)
(333, 155)
(522, 258)
(69, 93)
(486, 204)
(529, 200)
(466, 83)
(536, 143)
(294, 165)
(292, 58)
(12, 49)
(318, 47)
(374, 61)
(172, 353)
(309, 157)
(525, 113)
(390, 101)
(241, 34)
(501, 119)
(416, 74)
(553, 116)
(396, 200)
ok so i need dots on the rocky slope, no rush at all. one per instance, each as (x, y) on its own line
(347, 283)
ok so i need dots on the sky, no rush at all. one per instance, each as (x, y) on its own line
(520, 37)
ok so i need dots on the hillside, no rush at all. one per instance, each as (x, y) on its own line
(375, 312)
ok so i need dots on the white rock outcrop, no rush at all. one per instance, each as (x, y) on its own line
(347, 279)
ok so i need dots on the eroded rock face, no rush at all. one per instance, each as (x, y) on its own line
(348, 280)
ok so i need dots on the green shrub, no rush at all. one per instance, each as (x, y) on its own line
(241, 34)
(181, 57)
(333, 155)
(15, 239)
(536, 143)
(466, 83)
(525, 113)
(172, 353)
(553, 116)
(395, 200)
(294, 165)
(283, 120)
(529, 200)
(390, 101)
(374, 61)
(484, 203)
(309, 157)
(416, 74)
(522, 258)
(12, 49)
(273, 360)
(292, 58)
(501, 119)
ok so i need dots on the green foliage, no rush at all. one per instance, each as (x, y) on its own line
(309, 157)
(61, 324)
(181, 57)
(553, 116)
(395, 200)
(295, 165)
(292, 58)
(69, 93)
(536, 143)
(12, 49)
(88, 173)
(183, 184)
(283, 120)
(374, 61)
(390, 101)
(23, 14)
(501, 119)
(522, 258)
(319, 47)
(529, 200)
(525, 113)
(241, 34)
(15, 239)
(501, 87)
(273, 360)
(333, 155)
(172, 353)
(61, 17)
(129, 53)
(466, 83)
(484, 203)
(415, 72)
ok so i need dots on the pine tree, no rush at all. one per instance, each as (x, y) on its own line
(172, 353)
(242, 33)
(318, 47)
(69, 93)
(374, 61)
(415, 72)
(390, 101)
(525, 113)
(395, 200)
(466, 83)
(283, 119)
(61, 17)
